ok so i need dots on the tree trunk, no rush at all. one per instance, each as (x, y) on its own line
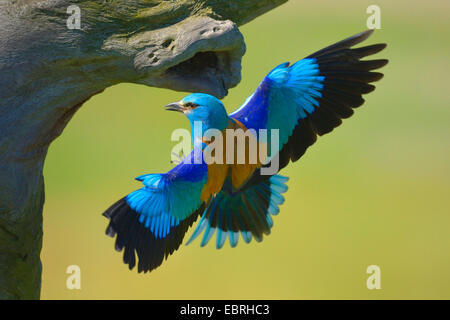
(47, 71)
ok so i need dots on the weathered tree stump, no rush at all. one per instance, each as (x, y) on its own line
(47, 71)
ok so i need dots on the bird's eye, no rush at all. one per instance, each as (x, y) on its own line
(191, 105)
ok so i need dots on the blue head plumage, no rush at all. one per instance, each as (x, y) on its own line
(207, 109)
(204, 109)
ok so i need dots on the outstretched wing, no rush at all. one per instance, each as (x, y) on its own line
(151, 222)
(310, 97)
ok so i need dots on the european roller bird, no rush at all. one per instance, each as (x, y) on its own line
(304, 100)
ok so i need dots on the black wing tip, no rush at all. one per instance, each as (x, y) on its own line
(380, 46)
(109, 213)
(349, 43)
(362, 35)
(137, 242)
(376, 63)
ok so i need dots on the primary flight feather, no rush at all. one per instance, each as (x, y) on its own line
(301, 101)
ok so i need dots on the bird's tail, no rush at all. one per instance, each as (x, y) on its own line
(246, 211)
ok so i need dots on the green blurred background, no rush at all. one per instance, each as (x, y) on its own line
(374, 191)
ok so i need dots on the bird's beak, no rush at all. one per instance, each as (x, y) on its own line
(175, 106)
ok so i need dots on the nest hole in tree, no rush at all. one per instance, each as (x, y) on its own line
(202, 62)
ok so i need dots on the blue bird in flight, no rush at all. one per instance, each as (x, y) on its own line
(302, 100)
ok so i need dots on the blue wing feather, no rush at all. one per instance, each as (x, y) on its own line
(310, 97)
(170, 196)
(286, 94)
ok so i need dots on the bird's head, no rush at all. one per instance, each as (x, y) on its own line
(202, 107)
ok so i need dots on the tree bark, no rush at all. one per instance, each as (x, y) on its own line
(47, 71)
